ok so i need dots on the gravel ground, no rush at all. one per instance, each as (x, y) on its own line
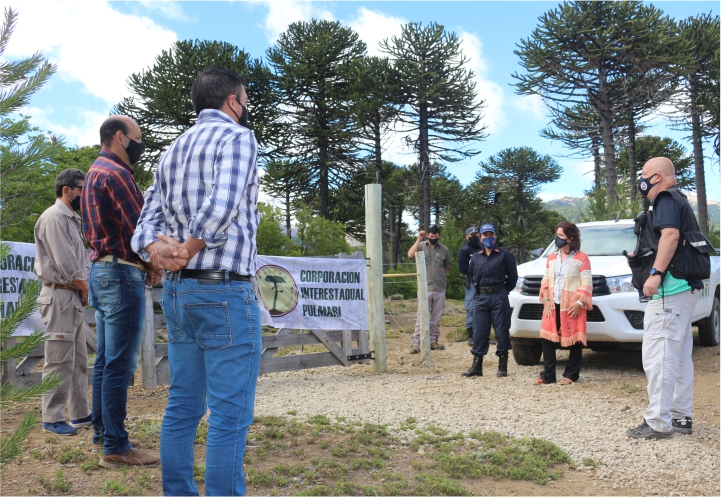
(582, 419)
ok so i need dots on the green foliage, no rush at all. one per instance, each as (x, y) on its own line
(513, 178)
(114, 487)
(442, 108)
(311, 64)
(57, 484)
(22, 147)
(38, 188)
(160, 97)
(320, 236)
(593, 54)
(11, 445)
(271, 239)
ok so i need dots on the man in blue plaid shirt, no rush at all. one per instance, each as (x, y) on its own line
(200, 221)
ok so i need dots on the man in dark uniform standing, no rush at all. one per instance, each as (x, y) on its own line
(493, 274)
(473, 245)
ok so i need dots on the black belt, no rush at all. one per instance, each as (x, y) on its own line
(210, 274)
(488, 290)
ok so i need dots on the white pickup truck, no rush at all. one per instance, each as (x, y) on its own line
(616, 321)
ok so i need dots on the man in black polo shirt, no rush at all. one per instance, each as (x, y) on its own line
(493, 274)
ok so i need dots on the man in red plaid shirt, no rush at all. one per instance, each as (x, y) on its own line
(111, 204)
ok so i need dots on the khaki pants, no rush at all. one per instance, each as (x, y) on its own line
(65, 353)
(436, 304)
(667, 348)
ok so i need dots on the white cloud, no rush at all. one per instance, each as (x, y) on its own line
(491, 92)
(169, 10)
(90, 42)
(373, 27)
(553, 196)
(530, 105)
(74, 135)
(281, 13)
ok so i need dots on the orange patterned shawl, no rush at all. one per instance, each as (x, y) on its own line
(577, 285)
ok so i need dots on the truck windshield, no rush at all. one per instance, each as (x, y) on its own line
(603, 240)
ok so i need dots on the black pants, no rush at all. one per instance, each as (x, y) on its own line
(573, 366)
(491, 309)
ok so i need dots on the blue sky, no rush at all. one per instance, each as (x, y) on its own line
(98, 44)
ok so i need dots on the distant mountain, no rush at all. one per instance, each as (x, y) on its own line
(572, 208)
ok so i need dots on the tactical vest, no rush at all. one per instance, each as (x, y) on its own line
(691, 260)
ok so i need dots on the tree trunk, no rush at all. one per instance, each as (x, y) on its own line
(378, 151)
(596, 163)
(392, 235)
(609, 152)
(698, 155)
(287, 214)
(323, 175)
(632, 157)
(399, 233)
(424, 172)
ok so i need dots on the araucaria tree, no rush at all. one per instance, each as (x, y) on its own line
(160, 101)
(702, 33)
(311, 64)
(580, 54)
(22, 148)
(442, 111)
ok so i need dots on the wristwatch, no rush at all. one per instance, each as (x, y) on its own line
(655, 272)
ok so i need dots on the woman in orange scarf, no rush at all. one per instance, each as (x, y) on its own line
(566, 291)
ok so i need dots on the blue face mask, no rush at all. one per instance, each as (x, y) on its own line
(489, 242)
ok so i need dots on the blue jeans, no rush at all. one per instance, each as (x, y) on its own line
(214, 356)
(468, 306)
(117, 292)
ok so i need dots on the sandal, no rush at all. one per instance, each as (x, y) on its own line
(566, 381)
(539, 381)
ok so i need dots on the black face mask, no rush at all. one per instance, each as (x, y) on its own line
(75, 203)
(243, 118)
(433, 241)
(644, 185)
(134, 150)
(474, 241)
(561, 242)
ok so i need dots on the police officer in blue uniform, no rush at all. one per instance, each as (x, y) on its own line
(493, 274)
(473, 245)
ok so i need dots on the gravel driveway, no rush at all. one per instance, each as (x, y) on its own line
(587, 420)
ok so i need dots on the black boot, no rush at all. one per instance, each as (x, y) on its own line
(470, 336)
(502, 365)
(476, 368)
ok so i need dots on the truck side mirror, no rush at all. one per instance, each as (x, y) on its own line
(535, 254)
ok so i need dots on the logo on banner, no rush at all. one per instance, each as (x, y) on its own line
(278, 290)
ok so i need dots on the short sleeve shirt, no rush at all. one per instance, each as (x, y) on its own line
(438, 259)
(667, 215)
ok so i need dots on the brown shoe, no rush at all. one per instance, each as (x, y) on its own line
(437, 346)
(134, 443)
(132, 457)
(415, 350)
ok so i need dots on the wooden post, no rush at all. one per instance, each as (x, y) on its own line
(8, 366)
(423, 313)
(374, 277)
(147, 343)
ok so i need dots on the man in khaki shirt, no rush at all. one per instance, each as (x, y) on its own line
(62, 266)
(438, 265)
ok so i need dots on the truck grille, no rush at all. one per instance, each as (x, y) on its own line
(532, 285)
(534, 312)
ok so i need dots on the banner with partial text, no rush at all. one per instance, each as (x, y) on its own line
(16, 269)
(312, 293)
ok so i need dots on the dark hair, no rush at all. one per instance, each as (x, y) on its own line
(434, 229)
(571, 231)
(212, 87)
(69, 178)
(112, 125)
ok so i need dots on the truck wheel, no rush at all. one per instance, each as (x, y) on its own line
(527, 353)
(708, 332)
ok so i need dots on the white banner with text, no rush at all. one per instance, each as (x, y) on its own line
(312, 293)
(17, 268)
